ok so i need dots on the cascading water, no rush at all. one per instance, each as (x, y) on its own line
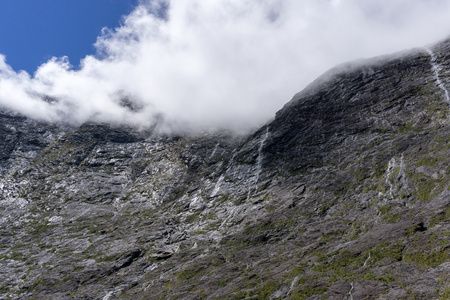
(214, 151)
(221, 178)
(436, 67)
(260, 155)
(259, 162)
(217, 186)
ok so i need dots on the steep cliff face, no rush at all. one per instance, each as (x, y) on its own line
(345, 194)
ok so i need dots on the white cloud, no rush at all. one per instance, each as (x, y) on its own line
(218, 63)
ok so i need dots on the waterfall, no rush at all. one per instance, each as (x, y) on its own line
(260, 155)
(221, 178)
(259, 162)
(217, 186)
(214, 151)
(436, 68)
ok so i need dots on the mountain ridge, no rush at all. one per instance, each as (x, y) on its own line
(345, 194)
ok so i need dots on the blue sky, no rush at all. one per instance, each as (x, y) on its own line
(33, 31)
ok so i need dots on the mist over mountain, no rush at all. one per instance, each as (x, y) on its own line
(216, 64)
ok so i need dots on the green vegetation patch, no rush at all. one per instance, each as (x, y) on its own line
(341, 265)
(306, 291)
(430, 260)
(261, 293)
(387, 250)
(443, 217)
(445, 294)
(427, 188)
(189, 274)
(427, 161)
(271, 225)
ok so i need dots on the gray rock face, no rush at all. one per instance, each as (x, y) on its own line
(344, 195)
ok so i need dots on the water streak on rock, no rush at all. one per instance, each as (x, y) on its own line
(259, 162)
(107, 296)
(436, 67)
(351, 289)
(214, 151)
(219, 182)
(366, 261)
(260, 155)
(389, 172)
(217, 186)
(293, 283)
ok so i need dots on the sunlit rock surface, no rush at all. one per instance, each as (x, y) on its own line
(344, 195)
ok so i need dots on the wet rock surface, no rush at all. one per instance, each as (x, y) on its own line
(344, 195)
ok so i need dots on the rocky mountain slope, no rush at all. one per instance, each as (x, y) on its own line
(344, 195)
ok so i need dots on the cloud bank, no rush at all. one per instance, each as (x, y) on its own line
(204, 64)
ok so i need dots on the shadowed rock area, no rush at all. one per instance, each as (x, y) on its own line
(344, 195)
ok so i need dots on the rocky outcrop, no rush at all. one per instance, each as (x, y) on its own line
(344, 195)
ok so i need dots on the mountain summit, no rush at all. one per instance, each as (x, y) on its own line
(344, 195)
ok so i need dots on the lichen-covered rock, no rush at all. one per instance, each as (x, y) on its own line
(344, 195)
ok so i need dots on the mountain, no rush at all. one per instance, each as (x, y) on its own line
(343, 195)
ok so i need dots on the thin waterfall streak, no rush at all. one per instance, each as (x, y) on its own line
(436, 68)
(260, 155)
(259, 163)
(216, 188)
(214, 151)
